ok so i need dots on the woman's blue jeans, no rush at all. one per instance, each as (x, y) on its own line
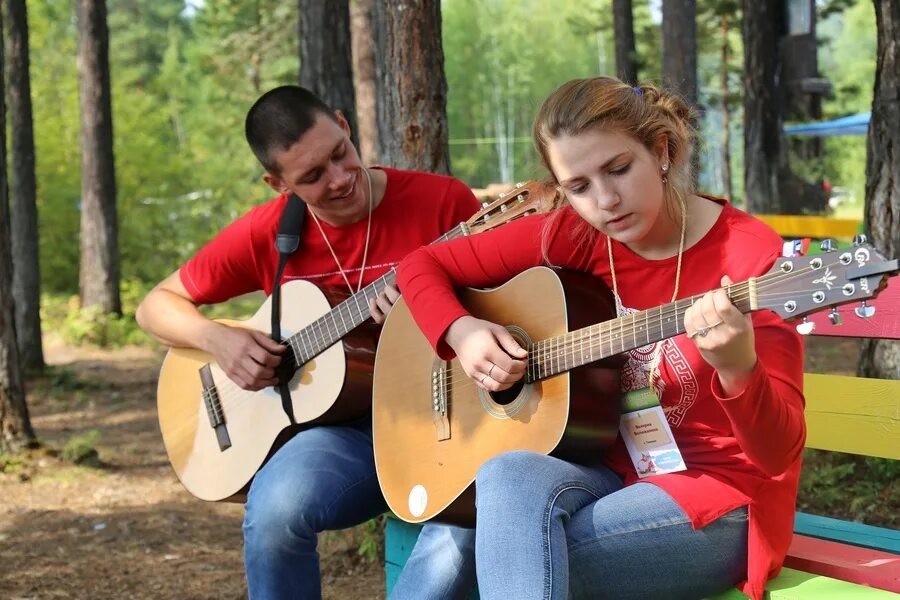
(550, 529)
(323, 478)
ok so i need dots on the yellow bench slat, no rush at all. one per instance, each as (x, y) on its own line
(853, 414)
(790, 226)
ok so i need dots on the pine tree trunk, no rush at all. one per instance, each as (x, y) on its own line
(800, 62)
(99, 274)
(15, 425)
(762, 23)
(725, 28)
(23, 205)
(364, 83)
(325, 64)
(679, 48)
(626, 56)
(881, 358)
(412, 88)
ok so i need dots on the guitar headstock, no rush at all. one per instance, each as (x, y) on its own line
(525, 199)
(797, 286)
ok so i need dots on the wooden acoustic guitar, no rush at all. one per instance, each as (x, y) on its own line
(433, 427)
(218, 435)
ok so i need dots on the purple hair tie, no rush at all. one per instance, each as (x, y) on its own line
(637, 90)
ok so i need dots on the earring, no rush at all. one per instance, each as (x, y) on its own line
(665, 169)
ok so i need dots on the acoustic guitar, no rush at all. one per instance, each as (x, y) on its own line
(217, 435)
(433, 427)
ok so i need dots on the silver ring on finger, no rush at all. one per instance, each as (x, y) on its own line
(491, 370)
(699, 333)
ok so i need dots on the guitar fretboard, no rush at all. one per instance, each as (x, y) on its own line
(562, 353)
(325, 331)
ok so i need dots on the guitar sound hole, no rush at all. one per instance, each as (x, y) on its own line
(508, 396)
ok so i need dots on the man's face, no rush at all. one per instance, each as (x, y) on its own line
(324, 170)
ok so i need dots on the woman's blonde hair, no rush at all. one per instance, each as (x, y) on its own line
(644, 112)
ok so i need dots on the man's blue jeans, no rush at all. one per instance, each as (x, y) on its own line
(321, 479)
(550, 529)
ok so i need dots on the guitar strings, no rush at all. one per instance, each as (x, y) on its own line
(593, 337)
(227, 391)
(543, 351)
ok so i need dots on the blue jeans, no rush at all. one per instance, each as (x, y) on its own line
(550, 529)
(323, 478)
(441, 566)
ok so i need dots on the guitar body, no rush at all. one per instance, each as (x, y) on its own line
(333, 387)
(426, 461)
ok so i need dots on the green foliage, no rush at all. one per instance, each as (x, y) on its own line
(497, 77)
(82, 449)
(850, 487)
(371, 547)
(12, 463)
(79, 326)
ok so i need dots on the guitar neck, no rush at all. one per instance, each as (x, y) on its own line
(562, 353)
(328, 329)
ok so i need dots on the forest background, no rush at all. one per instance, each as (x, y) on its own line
(183, 78)
(183, 75)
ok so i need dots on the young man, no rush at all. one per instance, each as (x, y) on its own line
(362, 222)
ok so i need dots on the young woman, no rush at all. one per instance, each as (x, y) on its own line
(729, 387)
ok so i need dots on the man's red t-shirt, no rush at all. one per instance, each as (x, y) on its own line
(416, 209)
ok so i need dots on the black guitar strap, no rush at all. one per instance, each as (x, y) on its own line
(286, 242)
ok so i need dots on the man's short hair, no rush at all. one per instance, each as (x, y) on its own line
(279, 119)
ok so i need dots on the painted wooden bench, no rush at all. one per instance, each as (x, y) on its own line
(829, 558)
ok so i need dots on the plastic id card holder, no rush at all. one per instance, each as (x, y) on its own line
(647, 435)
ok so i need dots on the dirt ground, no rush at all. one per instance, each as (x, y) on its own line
(124, 527)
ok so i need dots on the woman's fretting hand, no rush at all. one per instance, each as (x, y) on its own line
(724, 337)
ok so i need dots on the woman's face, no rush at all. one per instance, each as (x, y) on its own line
(615, 184)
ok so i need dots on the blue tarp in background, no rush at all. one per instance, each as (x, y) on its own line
(852, 125)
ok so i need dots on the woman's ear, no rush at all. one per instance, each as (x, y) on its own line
(661, 149)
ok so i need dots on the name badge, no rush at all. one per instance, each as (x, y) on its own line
(647, 435)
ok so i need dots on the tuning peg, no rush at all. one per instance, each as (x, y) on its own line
(827, 245)
(834, 317)
(865, 311)
(806, 327)
(859, 239)
(485, 204)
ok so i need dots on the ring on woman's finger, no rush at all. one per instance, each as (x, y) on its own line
(704, 330)
(491, 370)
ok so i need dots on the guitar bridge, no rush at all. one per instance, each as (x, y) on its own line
(214, 408)
(439, 400)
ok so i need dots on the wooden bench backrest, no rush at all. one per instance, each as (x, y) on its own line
(855, 414)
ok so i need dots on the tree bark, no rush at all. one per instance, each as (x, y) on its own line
(881, 358)
(99, 273)
(364, 81)
(412, 88)
(799, 62)
(679, 48)
(761, 26)
(725, 60)
(15, 425)
(325, 63)
(23, 206)
(626, 56)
